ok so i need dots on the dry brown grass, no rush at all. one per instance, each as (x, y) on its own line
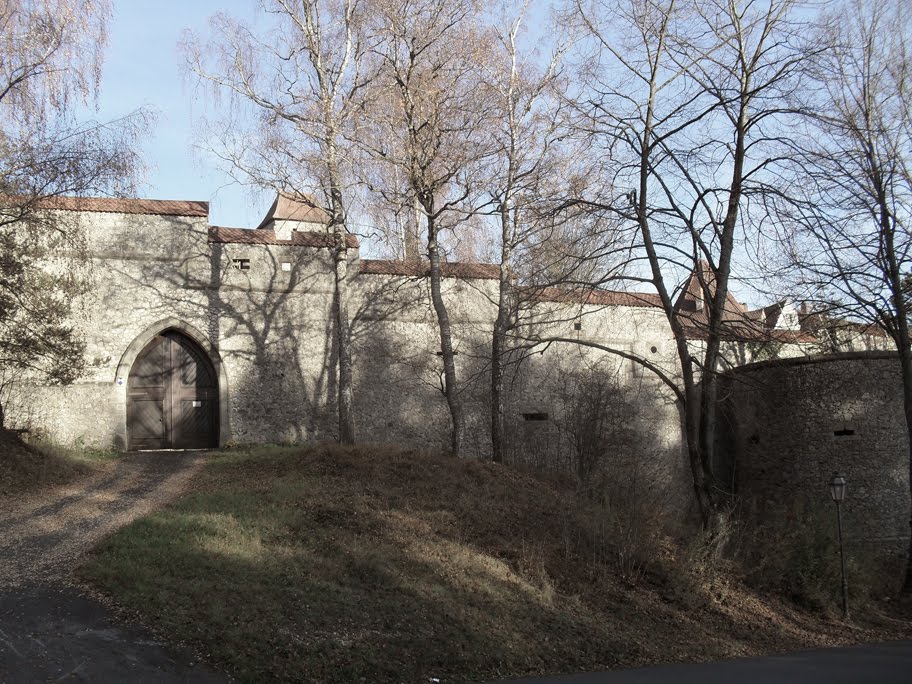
(380, 564)
(25, 468)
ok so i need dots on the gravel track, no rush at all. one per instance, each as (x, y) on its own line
(44, 536)
(50, 631)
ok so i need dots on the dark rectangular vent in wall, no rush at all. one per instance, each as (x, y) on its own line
(578, 326)
(241, 264)
(535, 416)
(844, 432)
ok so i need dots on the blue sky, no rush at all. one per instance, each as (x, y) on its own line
(142, 67)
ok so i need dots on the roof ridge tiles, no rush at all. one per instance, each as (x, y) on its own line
(119, 205)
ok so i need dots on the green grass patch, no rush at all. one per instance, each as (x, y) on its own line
(327, 564)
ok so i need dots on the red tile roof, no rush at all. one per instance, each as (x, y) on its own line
(732, 332)
(701, 284)
(466, 270)
(290, 207)
(108, 205)
(816, 322)
(600, 297)
(738, 324)
(266, 236)
(420, 269)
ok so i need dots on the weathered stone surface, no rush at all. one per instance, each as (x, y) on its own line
(263, 312)
(791, 423)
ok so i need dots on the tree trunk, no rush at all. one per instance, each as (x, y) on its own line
(450, 389)
(412, 234)
(340, 301)
(497, 399)
(693, 433)
(346, 397)
(905, 356)
(904, 347)
(709, 383)
(900, 332)
(900, 321)
(499, 341)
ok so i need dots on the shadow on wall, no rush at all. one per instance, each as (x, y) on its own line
(271, 323)
(788, 425)
(399, 376)
(613, 430)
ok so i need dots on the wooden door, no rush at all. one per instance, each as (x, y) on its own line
(172, 396)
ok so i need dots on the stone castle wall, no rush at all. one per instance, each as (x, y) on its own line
(267, 329)
(785, 425)
(788, 425)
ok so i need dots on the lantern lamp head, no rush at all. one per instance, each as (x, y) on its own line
(838, 487)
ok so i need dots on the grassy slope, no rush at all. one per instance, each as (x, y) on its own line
(25, 468)
(325, 564)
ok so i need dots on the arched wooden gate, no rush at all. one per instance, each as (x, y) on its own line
(172, 396)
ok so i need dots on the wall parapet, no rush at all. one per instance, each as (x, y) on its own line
(792, 361)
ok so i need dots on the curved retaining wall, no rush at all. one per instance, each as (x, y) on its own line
(788, 424)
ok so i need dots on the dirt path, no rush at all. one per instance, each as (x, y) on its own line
(49, 631)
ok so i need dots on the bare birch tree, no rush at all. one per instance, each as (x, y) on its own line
(304, 81)
(525, 164)
(849, 236)
(688, 97)
(427, 119)
(50, 64)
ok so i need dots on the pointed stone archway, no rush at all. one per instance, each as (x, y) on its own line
(173, 389)
(172, 396)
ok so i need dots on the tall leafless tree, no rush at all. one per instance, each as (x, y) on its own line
(687, 95)
(427, 119)
(525, 135)
(304, 79)
(849, 235)
(50, 64)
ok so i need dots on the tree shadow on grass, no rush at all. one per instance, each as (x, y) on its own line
(325, 565)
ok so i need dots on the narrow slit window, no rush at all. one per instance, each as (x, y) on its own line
(535, 417)
(241, 264)
(844, 432)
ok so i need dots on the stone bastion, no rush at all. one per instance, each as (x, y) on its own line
(787, 425)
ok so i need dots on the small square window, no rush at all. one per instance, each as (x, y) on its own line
(286, 266)
(241, 264)
(578, 326)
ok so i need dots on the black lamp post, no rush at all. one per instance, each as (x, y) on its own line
(837, 492)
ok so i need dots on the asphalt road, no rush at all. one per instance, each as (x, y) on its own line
(54, 634)
(889, 663)
(50, 631)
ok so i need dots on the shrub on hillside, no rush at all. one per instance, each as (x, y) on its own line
(798, 557)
